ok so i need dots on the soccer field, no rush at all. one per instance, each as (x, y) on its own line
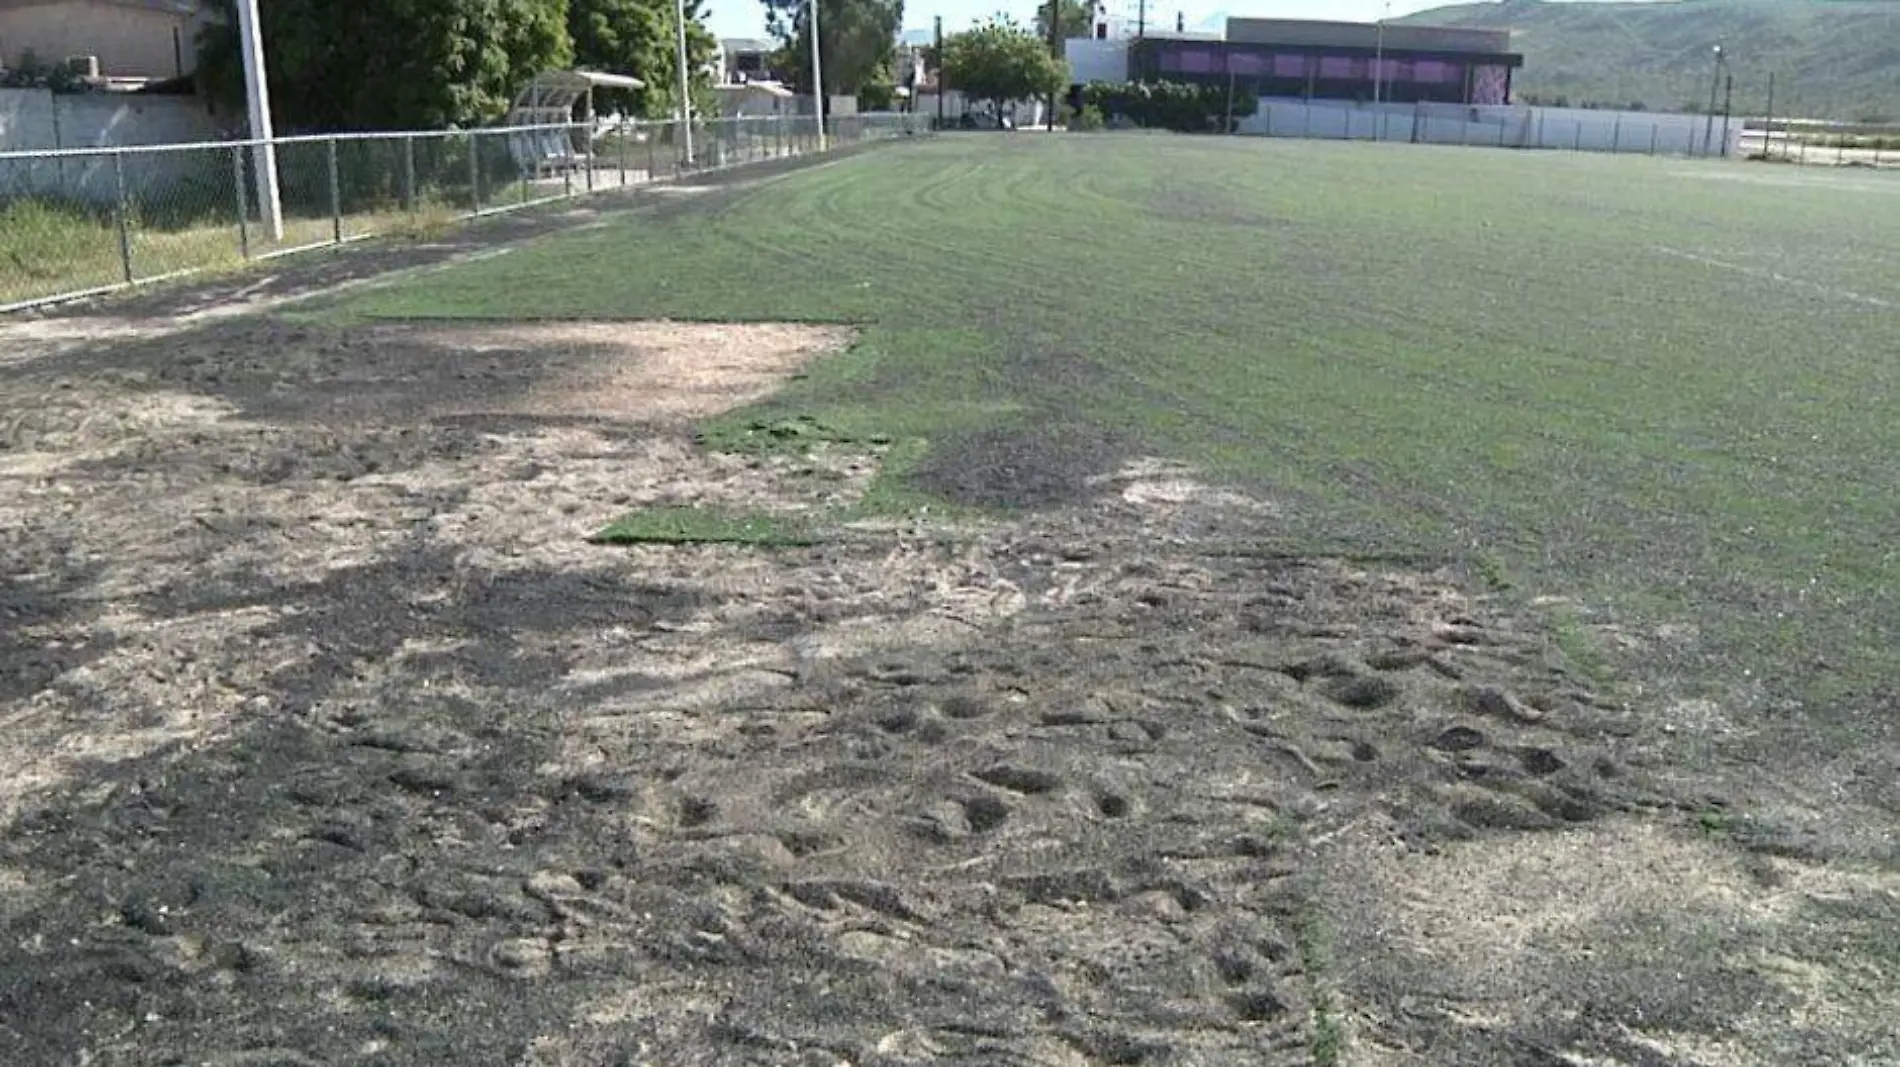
(1656, 389)
(993, 599)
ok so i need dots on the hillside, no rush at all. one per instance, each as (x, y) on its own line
(1831, 58)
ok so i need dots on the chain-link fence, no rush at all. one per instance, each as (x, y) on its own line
(1835, 144)
(80, 221)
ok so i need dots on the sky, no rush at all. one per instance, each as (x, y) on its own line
(746, 18)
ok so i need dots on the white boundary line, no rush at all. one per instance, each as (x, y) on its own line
(1781, 279)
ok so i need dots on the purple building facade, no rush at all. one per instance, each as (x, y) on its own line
(1339, 61)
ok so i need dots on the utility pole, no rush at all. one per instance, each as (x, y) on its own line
(264, 155)
(942, 86)
(817, 76)
(1141, 19)
(1378, 58)
(686, 92)
(1768, 133)
(1728, 109)
(1715, 86)
(1055, 49)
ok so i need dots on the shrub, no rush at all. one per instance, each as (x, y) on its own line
(1089, 119)
(877, 95)
(1170, 105)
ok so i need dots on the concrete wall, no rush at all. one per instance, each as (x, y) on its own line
(740, 101)
(130, 41)
(33, 119)
(955, 105)
(36, 120)
(1501, 127)
(1096, 61)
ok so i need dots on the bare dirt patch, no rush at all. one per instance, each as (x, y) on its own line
(1553, 945)
(646, 370)
(331, 740)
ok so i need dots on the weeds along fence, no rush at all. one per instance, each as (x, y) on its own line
(80, 222)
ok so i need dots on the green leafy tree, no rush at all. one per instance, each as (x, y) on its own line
(636, 37)
(1002, 62)
(393, 64)
(857, 40)
(1074, 18)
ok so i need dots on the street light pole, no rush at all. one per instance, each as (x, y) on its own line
(685, 80)
(817, 77)
(264, 157)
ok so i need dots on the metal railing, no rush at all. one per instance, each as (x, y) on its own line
(81, 222)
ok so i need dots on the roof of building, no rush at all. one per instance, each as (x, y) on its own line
(1399, 37)
(773, 89)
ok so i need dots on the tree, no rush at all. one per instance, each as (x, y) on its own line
(394, 64)
(1002, 62)
(637, 37)
(857, 40)
(1074, 18)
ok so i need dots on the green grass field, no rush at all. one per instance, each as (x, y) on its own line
(1661, 388)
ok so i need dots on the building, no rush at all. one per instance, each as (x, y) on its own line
(1318, 61)
(118, 41)
(746, 59)
(755, 99)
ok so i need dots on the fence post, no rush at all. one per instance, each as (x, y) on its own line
(1616, 135)
(125, 225)
(567, 172)
(1577, 144)
(1540, 128)
(336, 194)
(526, 181)
(621, 139)
(1655, 132)
(243, 203)
(409, 191)
(474, 175)
(653, 171)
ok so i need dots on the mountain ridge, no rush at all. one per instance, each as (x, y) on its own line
(1835, 59)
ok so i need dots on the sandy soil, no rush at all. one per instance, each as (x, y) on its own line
(331, 739)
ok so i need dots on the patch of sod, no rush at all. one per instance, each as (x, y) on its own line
(690, 524)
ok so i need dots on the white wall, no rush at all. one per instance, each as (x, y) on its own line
(1504, 127)
(1096, 61)
(130, 41)
(36, 119)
